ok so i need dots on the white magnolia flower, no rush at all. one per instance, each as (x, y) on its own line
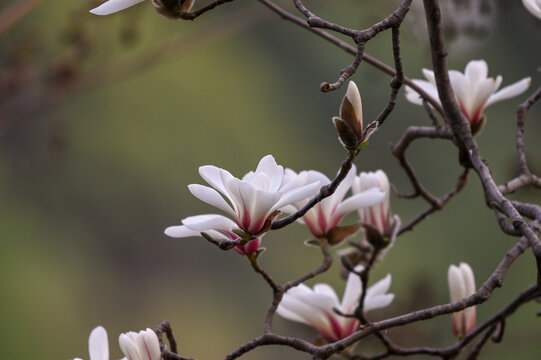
(98, 345)
(112, 6)
(379, 215)
(140, 346)
(474, 90)
(314, 307)
(533, 6)
(327, 214)
(461, 285)
(252, 199)
(216, 226)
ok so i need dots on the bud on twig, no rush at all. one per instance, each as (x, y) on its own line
(349, 125)
(461, 285)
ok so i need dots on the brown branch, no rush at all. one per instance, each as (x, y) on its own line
(525, 176)
(462, 131)
(325, 191)
(360, 37)
(195, 14)
(351, 50)
(167, 354)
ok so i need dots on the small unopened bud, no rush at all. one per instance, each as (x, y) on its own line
(461, 285)
(349, 125)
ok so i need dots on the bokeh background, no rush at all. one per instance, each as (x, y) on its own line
(104, 121)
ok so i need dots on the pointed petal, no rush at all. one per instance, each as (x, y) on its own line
(378, 301)
(352, 293)
(364, 199)
(509, 91)
(258, 205)
(381, 287)
(211, 197)
(181, 231)
(98, 345)
(209, 222)
(463, 91)
(413, 97)
(128, 345)
(113, 6)
(274, 172)
(468, 278)
(457, 290)
(212, 175)
(327, 290)
(476, 71)
(149, 345)
(429, 75)
(295, 195)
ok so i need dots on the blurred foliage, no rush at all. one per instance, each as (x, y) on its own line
(114, 116)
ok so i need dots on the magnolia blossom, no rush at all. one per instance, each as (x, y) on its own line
(474, 90)
(327, 214)
(377, 216)
(216, 226)
(140, 346)
(98, 345)
(315, 306)
(462, 285)
(112, 6)
(533, 6)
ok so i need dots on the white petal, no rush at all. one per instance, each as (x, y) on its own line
(149, 345)
(352, 293)
(468, 278)
(290, 315)
(457, 290)
(258, 204)
(327, 290)
(209, 222)
(485, 88)
(355, 99)
(311, 315)
(213, 176)
(381, 287)
(476, 71)
(331, 203)
(113, 6)
(181, 232)
(296, 195)
(98, 345)
(364, 199)
(509, 91)
(377, 302)
(429, 75)
(275, 172)
(427, 87)
(211, 197)
(463, 91)
(128, 345)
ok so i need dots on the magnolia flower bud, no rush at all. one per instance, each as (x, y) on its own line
(349, 125)
(462, 285)
(140, 346)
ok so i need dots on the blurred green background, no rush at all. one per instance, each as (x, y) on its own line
(105, 120)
